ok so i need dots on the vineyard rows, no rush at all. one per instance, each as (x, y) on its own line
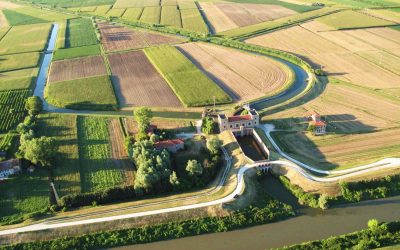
(12, 108)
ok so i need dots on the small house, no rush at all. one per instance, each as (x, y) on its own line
(319, 126)
(239, 123)
(173, 145)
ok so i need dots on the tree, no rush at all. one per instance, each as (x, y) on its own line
(323, 201)
(373, 225)
(40, 150)
(143, 116)
(34, 105)
(213, 145)
(208, 126)
(154, 138)
(173, 180)
(194, 168)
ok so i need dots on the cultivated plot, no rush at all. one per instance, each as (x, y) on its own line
(66, 70)
(244, 76)
(137, 82)
(117, 38)
(218, 20)
(18, 79)
(335, 60)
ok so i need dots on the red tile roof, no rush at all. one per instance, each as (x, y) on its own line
(238, 118)
(319, 123)
(168, 143)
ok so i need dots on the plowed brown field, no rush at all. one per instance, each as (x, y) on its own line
(116, 38)
(244, 76)
(337, 59)
(137, 82)
(119, 153)
(77, 68)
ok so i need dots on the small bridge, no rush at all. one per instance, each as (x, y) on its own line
(264, 166)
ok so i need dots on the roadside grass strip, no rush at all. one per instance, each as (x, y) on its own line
(19, 61)
(80, 32)
(151, 14)
(98, 170)
(63, 128)
(192, 20)
(82, 51)
(18, 79)
(94, 93)
(15, 18)
(191, 86)
(352, 19)
(25, 38)
(12, 108)
(171, 16)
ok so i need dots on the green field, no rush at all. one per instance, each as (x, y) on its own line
(62, 32)
(63, 129)
(192, 20)
(151, 14)
(191, 86)
(352, 19)
(184, 5)
(26, 38)
(94, 93)
(102, 10)
(3, 31)
(171, 16)
(19, 61)
(80, 32)
(15, 18)
(24, 194)
(295, 7)
(76, 52)
(115, 13)
(19, 79)
(98, 171)
(12, 108)
(49, 16)
(72, 3)
(275, 24)
(132, 14)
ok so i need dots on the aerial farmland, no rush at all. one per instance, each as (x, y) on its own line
(124, 122)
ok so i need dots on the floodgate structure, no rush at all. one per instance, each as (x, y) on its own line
(128, 121)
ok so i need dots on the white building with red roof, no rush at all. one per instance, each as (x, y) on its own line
(173, 145)
(318, 124)
(238, 122)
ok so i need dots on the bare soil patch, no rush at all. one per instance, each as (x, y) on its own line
(244, 76)
(240, 16)
(119, 153)
(77, 68)
(117, 38)
(138, 83)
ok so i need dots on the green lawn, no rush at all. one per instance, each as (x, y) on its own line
(94, 93)
(19, 79)
(12, 108)
(25, 38)
(63, 128)
(98, 171)
(24, 194)
(352, 19)
(80, 32)
(70, 53)
(191, 86)
(19, 61)
(15, 18)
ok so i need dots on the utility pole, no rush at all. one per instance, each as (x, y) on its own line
(55, 192)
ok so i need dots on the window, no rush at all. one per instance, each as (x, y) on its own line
(237, 125)
(231, 126)
(249, 123)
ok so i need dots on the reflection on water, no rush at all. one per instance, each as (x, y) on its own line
(251, 148)
(311, 224)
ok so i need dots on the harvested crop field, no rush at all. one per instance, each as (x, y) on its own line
(117, 38)
(66, 70)
(218, 20)
(244, 76)
(336, 60)
(166, 124)
(137, 82)
(118, 152)
(248, 14)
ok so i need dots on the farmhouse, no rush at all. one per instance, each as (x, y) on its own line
(239, 123)
(172, 146)
(319, 126)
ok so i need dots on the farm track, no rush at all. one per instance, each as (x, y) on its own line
(118, 152)
(72, 69)
(138, 83)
